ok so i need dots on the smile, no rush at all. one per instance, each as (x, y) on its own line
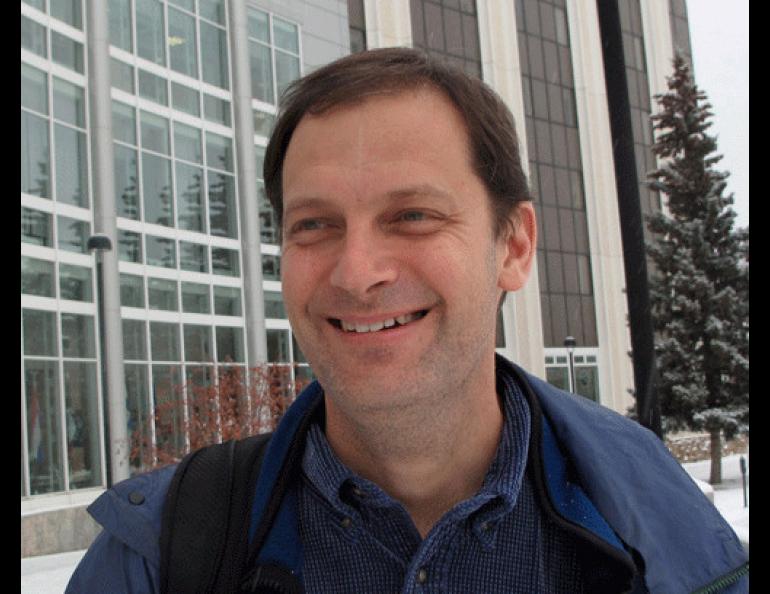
(377, 326)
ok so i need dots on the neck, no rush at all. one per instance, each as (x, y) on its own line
(427, 458)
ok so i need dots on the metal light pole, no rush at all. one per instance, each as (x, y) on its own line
(98, 244)
(570, 343)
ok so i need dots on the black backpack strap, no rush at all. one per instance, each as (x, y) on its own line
(203, 541)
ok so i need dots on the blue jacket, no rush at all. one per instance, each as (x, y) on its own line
(630, 489)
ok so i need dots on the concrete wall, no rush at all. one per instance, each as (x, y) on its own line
(57, 531)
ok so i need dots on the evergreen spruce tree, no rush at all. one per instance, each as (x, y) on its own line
(699, 284)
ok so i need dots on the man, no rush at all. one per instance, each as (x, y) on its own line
(420, 461)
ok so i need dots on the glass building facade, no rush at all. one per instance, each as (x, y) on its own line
(183, 267)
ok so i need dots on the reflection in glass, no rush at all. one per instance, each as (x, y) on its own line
(134, 340)
(184, 99)
(71, 166)
(227, 301)
(182, 43)
(278, 346)
(214, 55)
(169, 408)
(187, 143)
(216, 110)
(67, 52)
(120, 24)
(77, 336)
(82, 424)
(129, 246)
(37, 277)
(41, 381)
(160, 251)
(34, 89)
(73, 234)
(164, 341)
(229, 344)
(155, 133)
(286, 71)
(131, 290)
(126, 176)
(69, 103)
(161, 294)
(122, 76)
(259, 26)
(285, 35)
(190, 207)
(35, 157)
(195, 298)
(224, 261)
(75, 283)
(197, 343)
(261, 72)
(156, 189)
(137, 407)
(193, 257)
(33, 37)
(222, 208)
(274, 307)
(149, 31)
(153, 87)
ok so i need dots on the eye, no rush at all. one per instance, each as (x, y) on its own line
(307, 225)
(412, 215)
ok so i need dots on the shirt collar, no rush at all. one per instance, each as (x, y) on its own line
(502, 483)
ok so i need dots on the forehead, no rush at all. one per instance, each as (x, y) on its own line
(405, 131)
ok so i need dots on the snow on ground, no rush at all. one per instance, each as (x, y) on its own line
(49, 574)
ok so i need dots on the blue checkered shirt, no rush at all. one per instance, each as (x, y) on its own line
(357, 539)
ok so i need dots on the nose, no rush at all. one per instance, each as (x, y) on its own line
(364, 264)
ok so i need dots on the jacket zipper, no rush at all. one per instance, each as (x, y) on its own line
(725, 580)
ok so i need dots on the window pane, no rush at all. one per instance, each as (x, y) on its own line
(126, 176)
(286, 71)
(40, 333)
(224, 261)
(131, 290)
(34, 89)
(77, 336)
(259, 158)
(261, 72)
(67, 52)
(169, 421)
(123, 123)
(156, 188)
(214, 10)
(82, 425)
(41, 380)
(197, 343)
(263, 125)
(259, 27)
(271, 267)
(227, 301)
(184, 99)
(268, 223)
(274, 307)
(186, 4)
(190, 207)
(229, 344)
(160, 252)
(134, 340)
(182, 44)
(69, 11)
(195, 298)
(152, 87)
(137, 407)
(73, 234)
(164, 341)
(149, 31)
(214, 55)
(35, 156)
(161, 294)
(122, 76)
(193, 257)
(71, 166)
(33, 37)
(75, 283)
(285, 35)
(187, 143)
(155, 133)
(222, 208)
(37, 277)
(36, 227)
(120, 24)
(278, 346)
(216, 110)
(219, 151)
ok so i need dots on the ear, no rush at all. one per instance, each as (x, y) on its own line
(517, 247)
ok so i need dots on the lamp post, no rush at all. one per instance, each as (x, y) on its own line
(98, 244)
(570, 343)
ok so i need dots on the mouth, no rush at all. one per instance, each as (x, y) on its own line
(379, 326)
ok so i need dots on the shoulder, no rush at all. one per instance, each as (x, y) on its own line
(125, 556)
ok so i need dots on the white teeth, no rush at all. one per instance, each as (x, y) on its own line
(389, 323)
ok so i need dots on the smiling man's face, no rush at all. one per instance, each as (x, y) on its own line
(391, 272)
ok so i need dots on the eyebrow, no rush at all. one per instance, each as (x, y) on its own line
(393, 195)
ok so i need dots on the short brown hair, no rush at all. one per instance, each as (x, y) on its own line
(354, 78)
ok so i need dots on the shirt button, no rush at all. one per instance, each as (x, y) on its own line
(422, 576)
(358, 492)
(346, 522)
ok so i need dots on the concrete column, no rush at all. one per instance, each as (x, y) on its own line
(246, 169)
(608, 271)
(522, 317)
(100, 110)
(388, 24)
